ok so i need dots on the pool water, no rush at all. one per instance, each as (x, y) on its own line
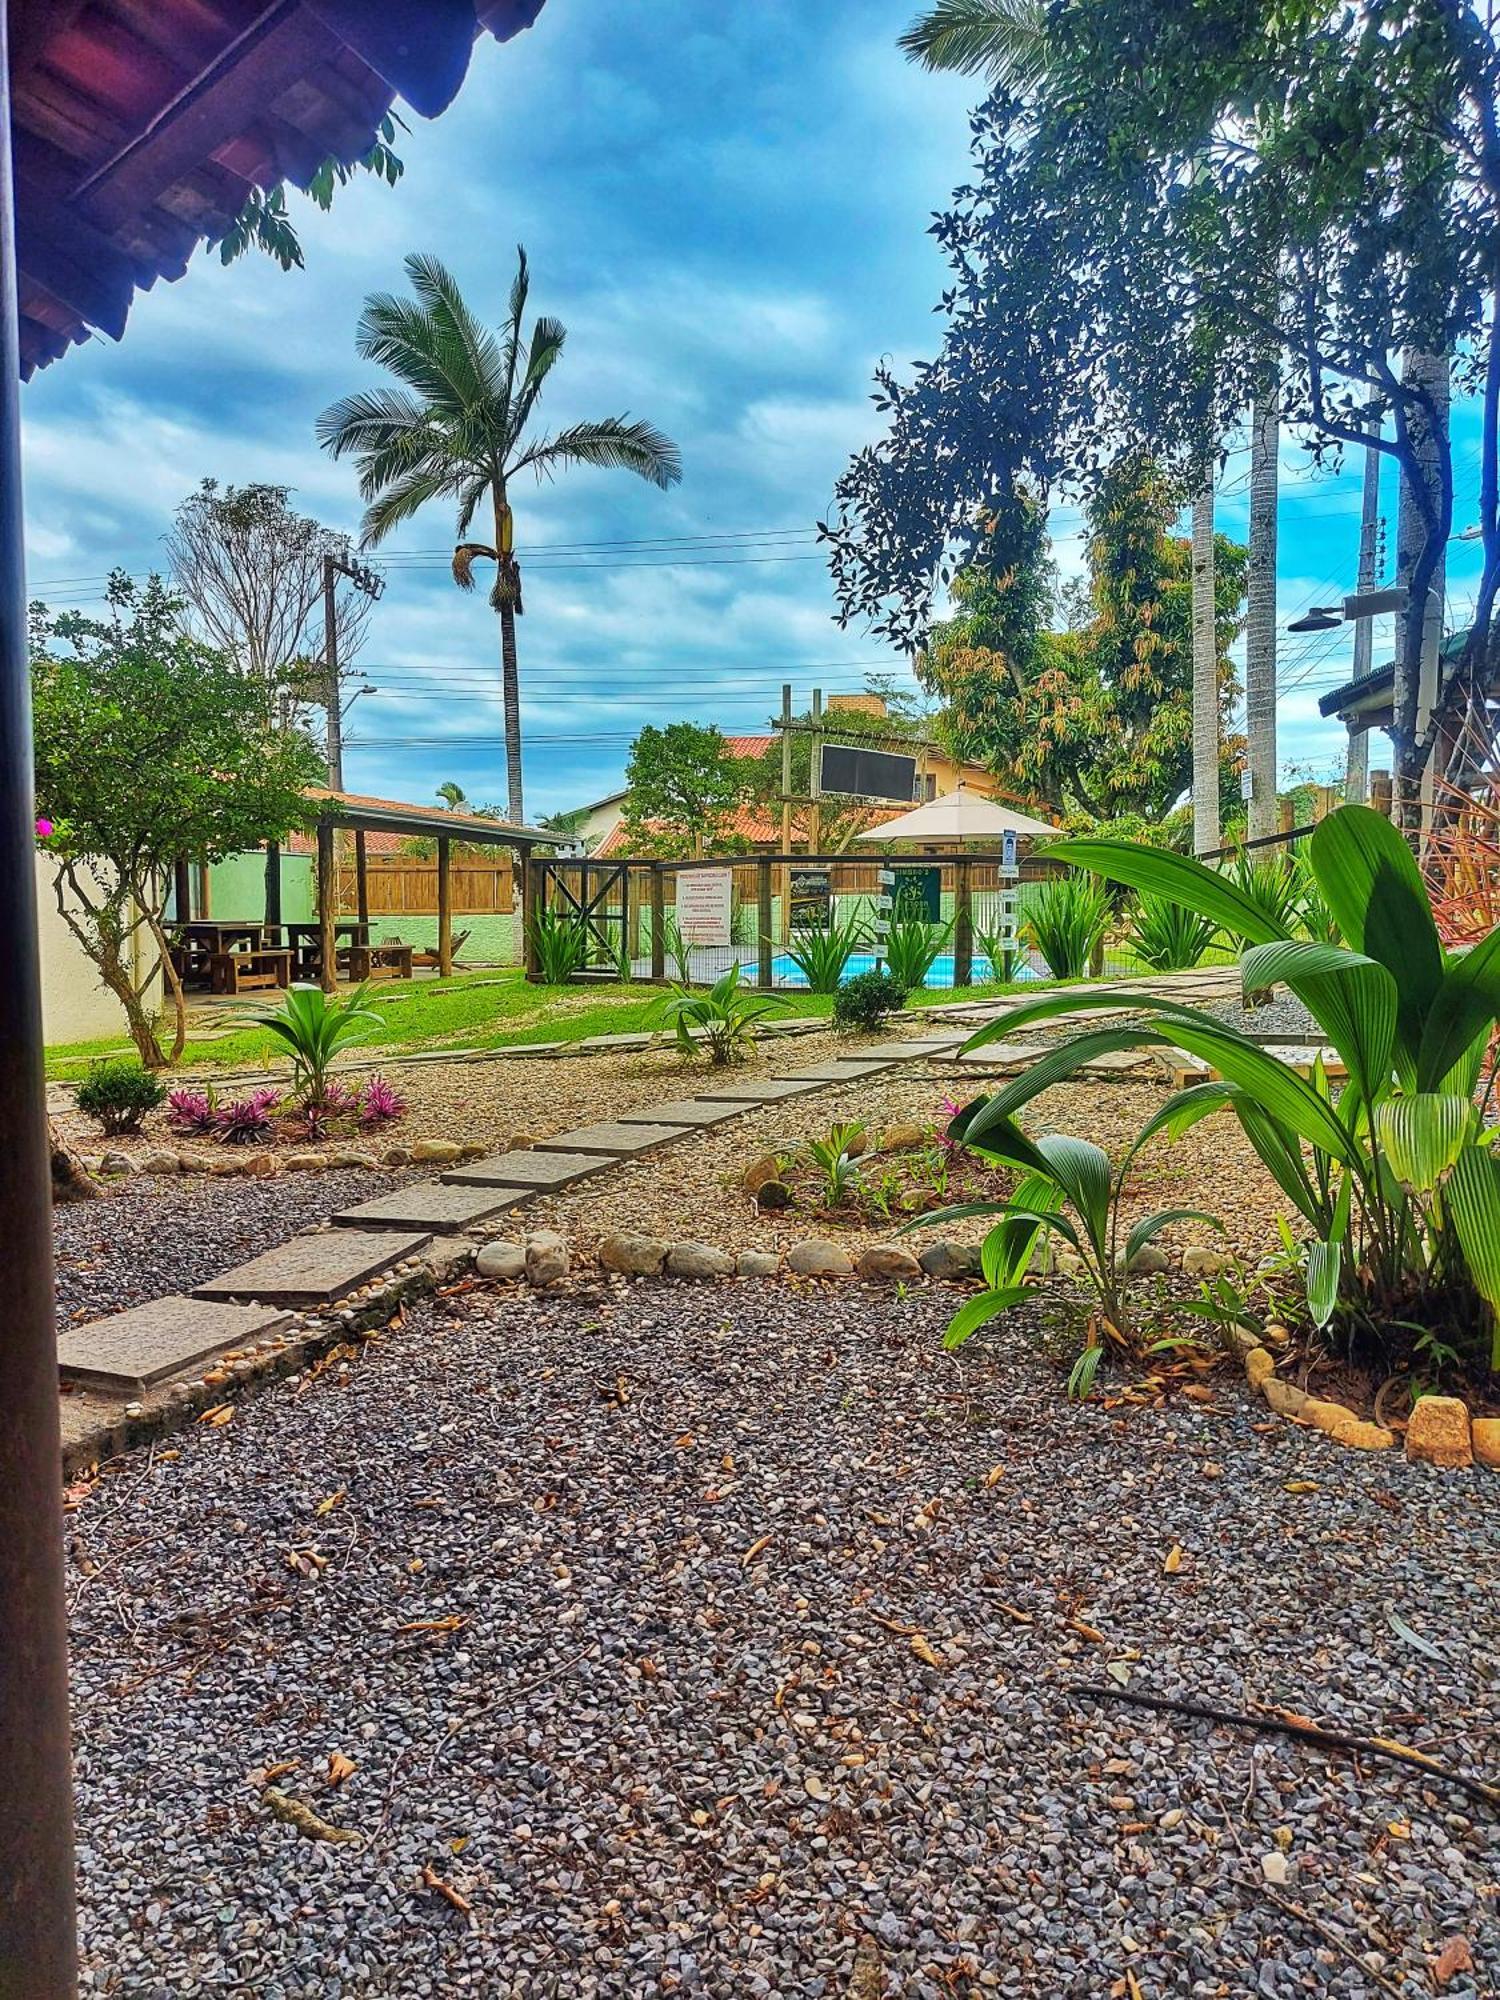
(786, 972)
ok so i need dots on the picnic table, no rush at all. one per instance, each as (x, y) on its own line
(379, 961)
(196, 943)
(251, 970)
(306, 942)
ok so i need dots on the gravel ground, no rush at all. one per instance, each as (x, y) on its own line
(615, 1611)
(148, 1237)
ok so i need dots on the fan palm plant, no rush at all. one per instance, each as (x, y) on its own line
(459, 428)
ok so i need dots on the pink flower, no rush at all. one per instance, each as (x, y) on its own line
(44, 829)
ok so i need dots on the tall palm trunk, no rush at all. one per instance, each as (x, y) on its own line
(510, 684)
(1260, 611)
(1205, 677)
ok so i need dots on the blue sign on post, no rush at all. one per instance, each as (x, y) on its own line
(1008, 848)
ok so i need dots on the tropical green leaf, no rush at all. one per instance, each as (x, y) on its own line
(1351, 997)
(1375, 890)
(1183, 1110)
(1177, 877)
(1423, 1135)
(977, 1312)
(1008, 1248)
(1152, 1225)
(1280, 1154)
(1464, 1010)
(1324, 1262)
(1473, 1195)
(1081, 1169)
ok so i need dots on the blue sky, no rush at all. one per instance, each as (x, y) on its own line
(727, 207)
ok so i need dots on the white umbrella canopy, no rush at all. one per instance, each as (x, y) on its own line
(960, 815)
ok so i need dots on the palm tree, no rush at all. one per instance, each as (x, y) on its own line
(1205, 676)
(452, 795)
(456, 429)
(1006, 40)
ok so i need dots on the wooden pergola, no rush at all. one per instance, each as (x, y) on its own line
(137, 128)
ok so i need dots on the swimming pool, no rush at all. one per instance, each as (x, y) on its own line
(786, 972)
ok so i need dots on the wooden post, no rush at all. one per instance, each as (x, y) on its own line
(38, 1952)
(182, 889)
(531, 888)
(361, 876)
(328, 970)
(658, 922)
(764, 973)
(626, 950)
(786, 767)
(445, 906)
(273, 885)
(963, 921)
(815, 777)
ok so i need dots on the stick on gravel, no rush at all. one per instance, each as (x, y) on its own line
(1306, 1732)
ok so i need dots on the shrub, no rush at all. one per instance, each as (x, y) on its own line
(193, 1111)
(246, 1119)
(864, 1001)
(911, 945)
(380, 1101)
(1167, 936)
(118, 1094)
(821, 952)
(561, 944)
(726, 1014)
(1396, 1180)
(315, 1029)
(1057, 1172)
(1066, 920)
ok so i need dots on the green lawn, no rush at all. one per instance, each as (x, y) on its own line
(488, 1010)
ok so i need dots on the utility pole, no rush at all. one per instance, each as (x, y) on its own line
(815, 776)
(1205, 676)
(372, 584)
(1428, 373)
(1357, 770)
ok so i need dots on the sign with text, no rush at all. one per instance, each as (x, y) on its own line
(704, 898)
(809, 894)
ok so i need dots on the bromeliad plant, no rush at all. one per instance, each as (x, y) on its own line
(725, 1017)
(560, 944)
(1059, 1173)
(833, 1159)
(1395, 1176)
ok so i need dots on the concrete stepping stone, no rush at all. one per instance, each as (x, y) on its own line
(614, 1138)
(689, 1111)
(796, 1024)
(927, 1045)
(769, 1090)
(127, 1352)
(600, 1042)
(536, 1170)
(845, 1069)
(312, 1269)
(1005, 1055)
(433, 1205)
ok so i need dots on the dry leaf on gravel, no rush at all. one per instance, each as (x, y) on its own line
(1454, 1958)
(327, 1506)
(432, 1880)
(1300, 1486)
(221, 1414)
(1173, 1562)
(924, 1651)
(340, 1767)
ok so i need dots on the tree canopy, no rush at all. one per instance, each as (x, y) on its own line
(683, 789)
(149, 746)
(1096, 718)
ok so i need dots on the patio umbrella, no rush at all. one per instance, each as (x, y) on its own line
(960, 815)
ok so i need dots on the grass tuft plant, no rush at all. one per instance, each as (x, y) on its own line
(561, 945)
(1066, 920)
(822, 952)
(1167, 936)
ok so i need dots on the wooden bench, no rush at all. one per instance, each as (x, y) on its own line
(379, 961)
(428, 959)
(250, 971)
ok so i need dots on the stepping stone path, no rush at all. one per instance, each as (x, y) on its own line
(615, 1140)
(771, 1091)
(125, 1354)
(686, 1111)
(536, 1170)
(843, 1069)
(313, 1269)
(431, 1205)
(1004, 1055)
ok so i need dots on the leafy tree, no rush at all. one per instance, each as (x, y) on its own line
(1097, 718)
(459, 428)
(453, 796)
(683, 787)
(149, 745)
(264, 222)
(251, 569)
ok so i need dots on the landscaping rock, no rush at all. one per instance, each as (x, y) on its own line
(306, 1163)
(226, 1167)
(117, 1163)
(1484, 1435)
(699, 1260)
(1067, 1263)
(1285, 1398)
(1149, 1261)
(501, 1260)
(636, 1256)
(519, 1142)
(438, 1152)
(817, 1259)
(473, 1149)
(774, 1195)
(396, 1156)
(352, 1158)
(1358, 1435)
(187, 1163)
(546, 1258)
(1330, 1417)
(760, 1172)
(259, 1165)
(159, 1163)
(1438, 1433)
(757, 1264)
(1259, 1363)
(1200, 1261)
(900, 1138)
(888, 1264)
(950, 1260)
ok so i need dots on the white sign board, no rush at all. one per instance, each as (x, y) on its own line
(703, 905)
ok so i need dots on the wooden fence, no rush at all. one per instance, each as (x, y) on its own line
(399, 885)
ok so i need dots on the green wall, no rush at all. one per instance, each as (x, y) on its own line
(237, 888)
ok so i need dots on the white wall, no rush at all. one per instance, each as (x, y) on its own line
(76, 1007)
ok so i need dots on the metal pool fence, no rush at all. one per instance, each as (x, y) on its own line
(688, 922)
